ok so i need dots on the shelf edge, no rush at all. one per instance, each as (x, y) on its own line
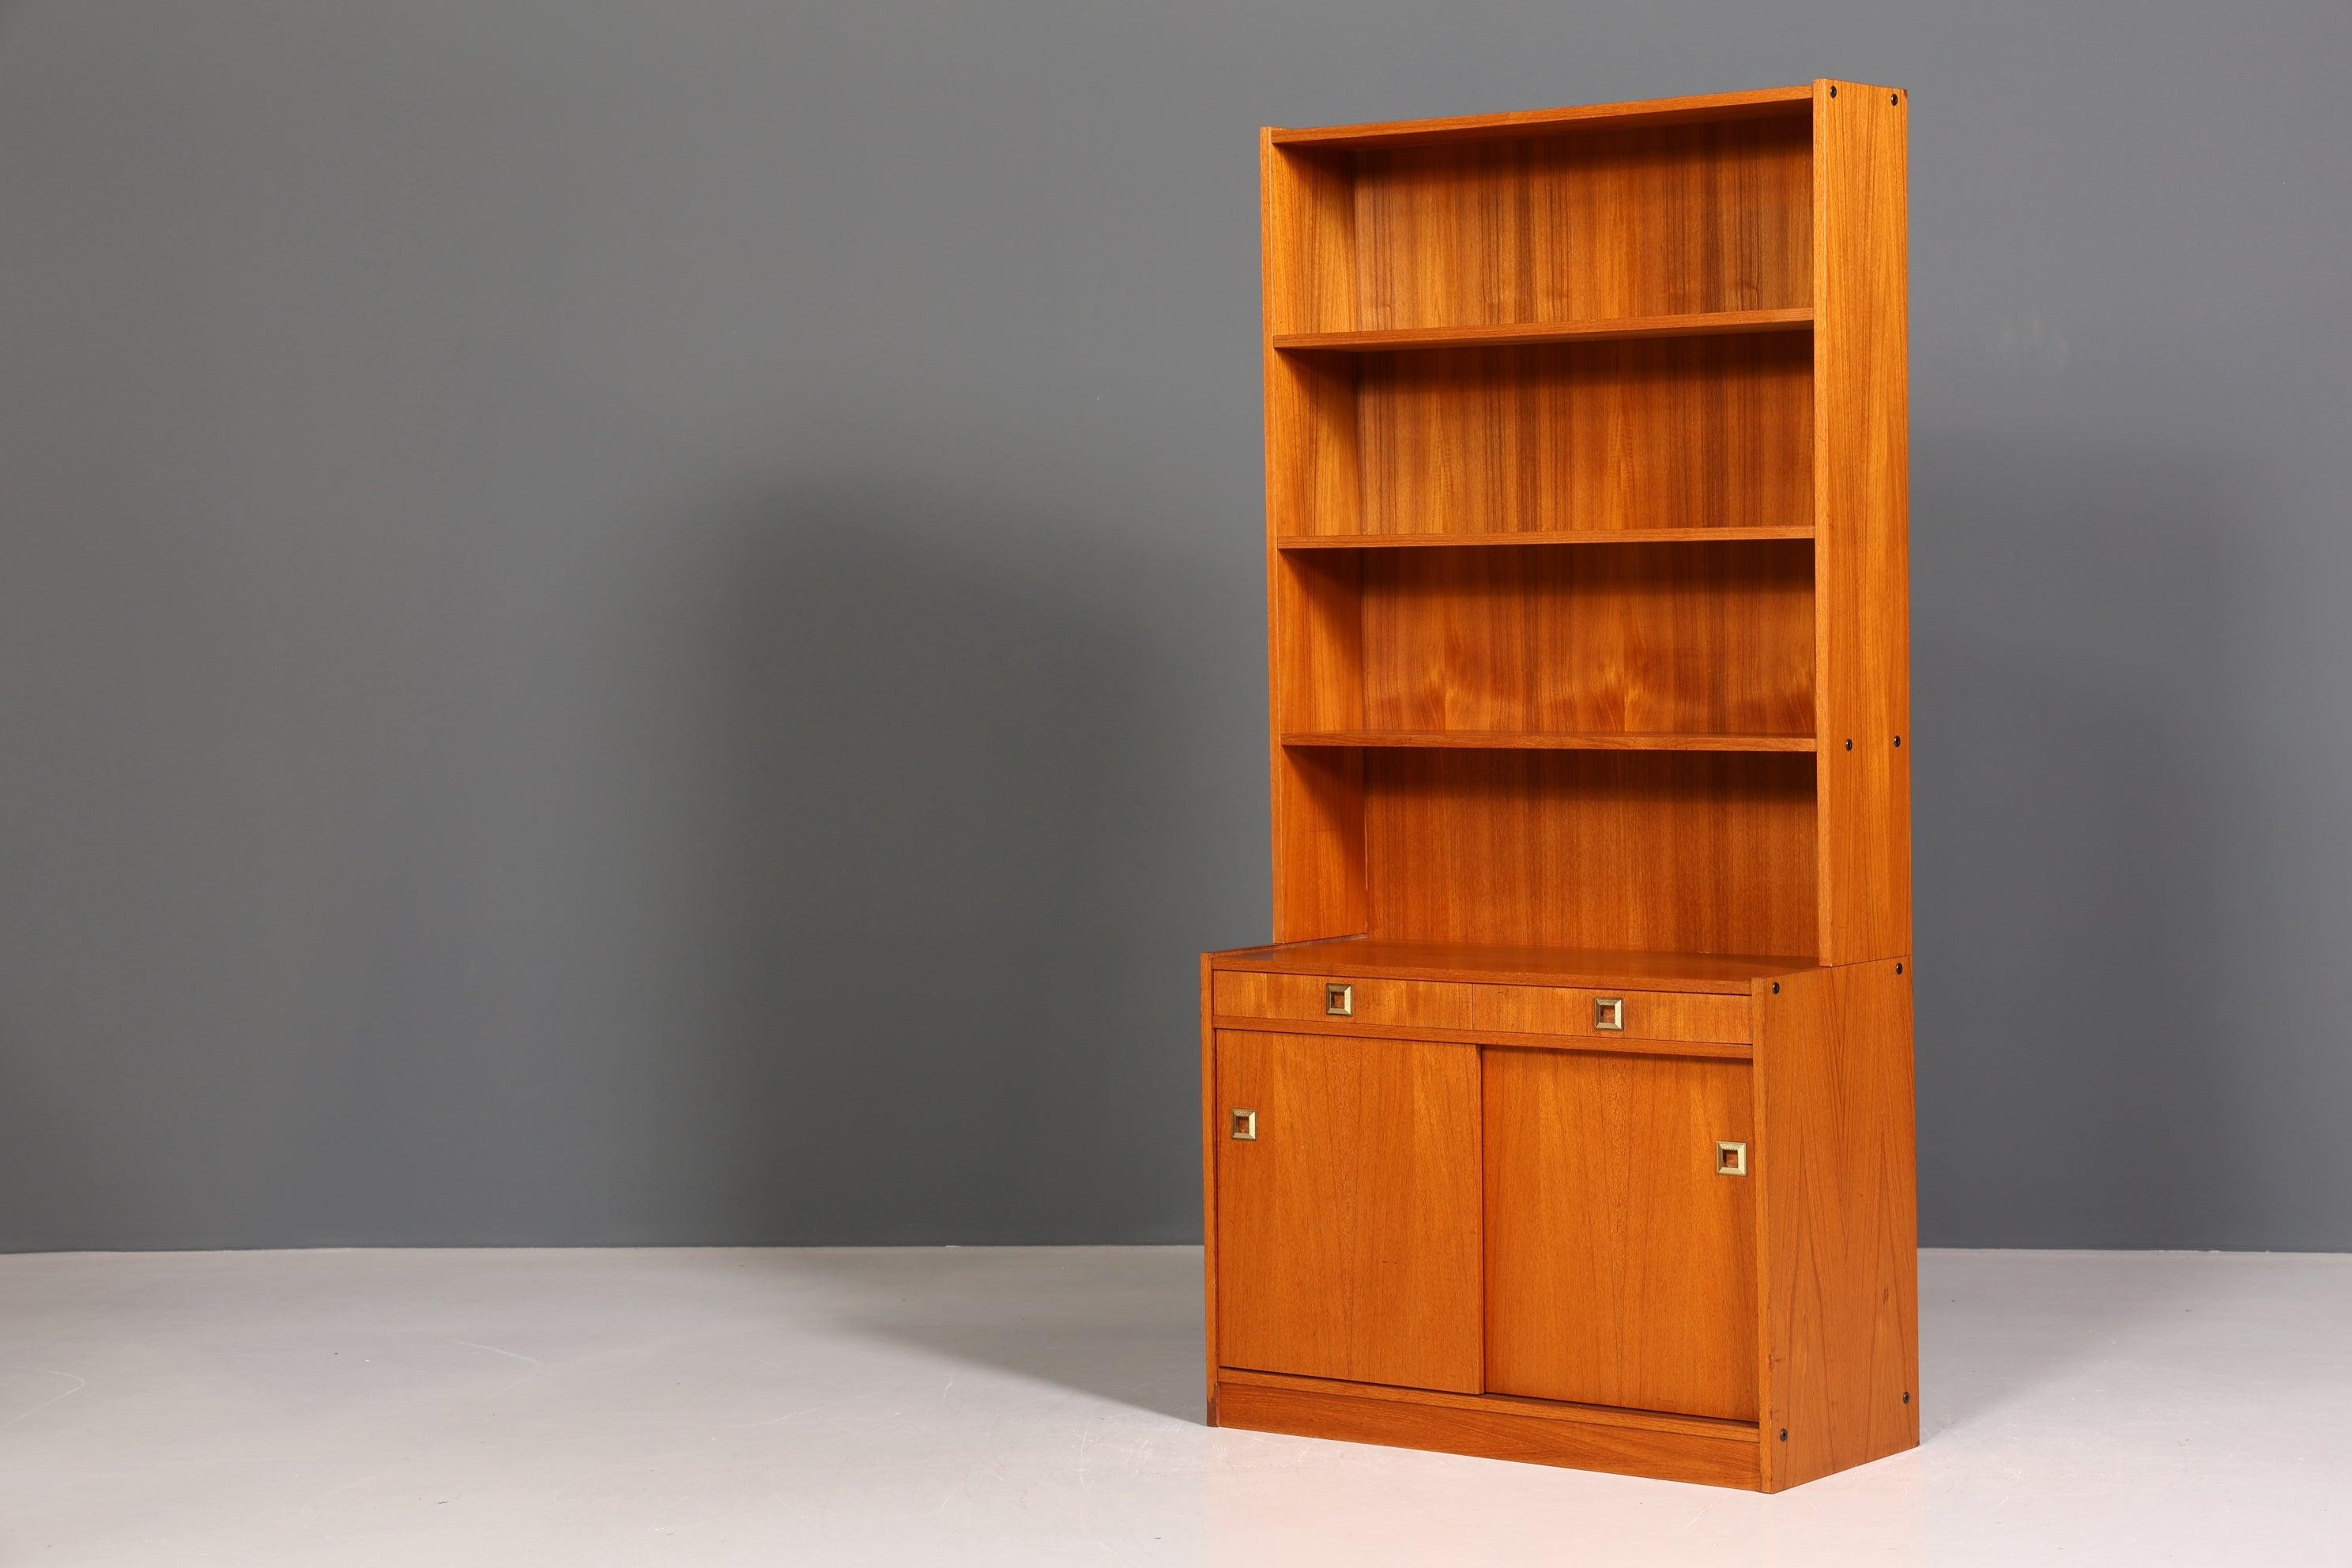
(1797, 532)
(1518, 334)
(1533, 741)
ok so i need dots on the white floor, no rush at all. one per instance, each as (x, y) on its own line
(1042, 1406)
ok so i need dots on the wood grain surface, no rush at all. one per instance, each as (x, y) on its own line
(1657, 852)
(1621, 1267)
(1649, 639)
(1863, 479)
(1613, 223)
(1835, 1168)
(1732, 973)
(1347, 1234)
(1668, 433)
(1765, 103)
(1494, 1429)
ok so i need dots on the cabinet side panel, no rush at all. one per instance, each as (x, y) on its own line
(1862, 491)
(1835, 1161)
(1314, 626)
(1209, 1131)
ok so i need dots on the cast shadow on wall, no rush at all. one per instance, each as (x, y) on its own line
(964, 829)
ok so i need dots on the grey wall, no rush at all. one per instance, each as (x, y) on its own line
(642, 623)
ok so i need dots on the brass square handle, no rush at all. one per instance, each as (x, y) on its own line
(1731, 1159)
(1245, 1126)
(1340, 1001)
(1609, 1013)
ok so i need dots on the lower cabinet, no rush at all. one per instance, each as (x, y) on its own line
(1347, 1209)
(1557, 1225)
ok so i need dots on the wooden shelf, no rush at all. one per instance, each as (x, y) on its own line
(1766, 102)
(1548, 537)
(1541, 741)
(1520, 335)
(1475, 963)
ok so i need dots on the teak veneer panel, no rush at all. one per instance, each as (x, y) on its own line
(1793, 102)
(1706, 1426)
(1643, 1014)
(1652, 639)
(1835, 1162)
(1621, 1267)
(1513, 334)
(1726, 973)
(1494, 1429)
(1347, 1240)
(1543, 538)
(1605, 1044)
(1663, 433)
(1427, 1003)
(1861, 391)
(1209, 1132)
(1624, 224)
(1656, 1018)
(1545, 740)
(1656, 851)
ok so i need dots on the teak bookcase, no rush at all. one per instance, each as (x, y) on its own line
(1569, 1117)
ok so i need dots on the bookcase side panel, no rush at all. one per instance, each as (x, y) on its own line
(1861, 502)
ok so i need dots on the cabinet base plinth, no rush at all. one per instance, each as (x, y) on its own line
(1498, 1429)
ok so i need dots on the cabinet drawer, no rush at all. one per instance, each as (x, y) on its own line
(1636, 1014)
(1316, 998)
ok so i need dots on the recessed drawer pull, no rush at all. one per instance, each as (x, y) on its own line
(1245, 1126)
(1340, 1001)
(1609, 1013)
(1730, 1159)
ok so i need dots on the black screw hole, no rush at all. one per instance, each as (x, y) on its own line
(1906, 1399)
(1784, 1431)
(1849, 745)
(1776, 988)
(1897, 98)
(1899, 969)
(1833, 94)
(1898, 740)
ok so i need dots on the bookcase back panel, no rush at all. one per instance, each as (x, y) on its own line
(1669, 433)
(1637, 223)
(1668, 851)
(1705, 638)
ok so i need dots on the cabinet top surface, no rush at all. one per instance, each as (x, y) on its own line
(1728, 972)
(1761, 103)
